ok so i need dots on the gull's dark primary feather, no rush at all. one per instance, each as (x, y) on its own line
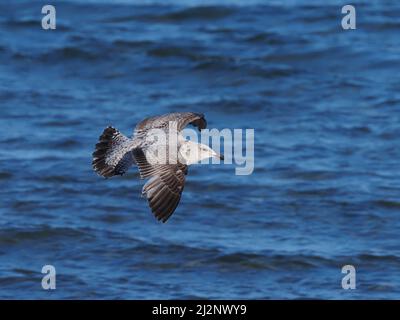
(113, 153)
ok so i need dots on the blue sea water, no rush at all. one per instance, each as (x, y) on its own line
(325, 191)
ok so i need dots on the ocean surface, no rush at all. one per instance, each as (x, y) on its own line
(325, 192)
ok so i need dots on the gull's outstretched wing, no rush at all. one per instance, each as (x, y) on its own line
(113, 153)
(164, 188)
(182, 119)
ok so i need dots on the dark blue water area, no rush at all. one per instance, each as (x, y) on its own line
(325, 191)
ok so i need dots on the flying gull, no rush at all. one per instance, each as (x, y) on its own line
(115, 154)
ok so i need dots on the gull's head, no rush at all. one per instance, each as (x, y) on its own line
(193, 152)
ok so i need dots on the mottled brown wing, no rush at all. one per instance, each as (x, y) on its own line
(164, 188)
(182, 119)
(112, 155)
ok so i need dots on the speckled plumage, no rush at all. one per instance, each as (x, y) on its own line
(115, 154)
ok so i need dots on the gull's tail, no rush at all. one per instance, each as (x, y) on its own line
(113, 153)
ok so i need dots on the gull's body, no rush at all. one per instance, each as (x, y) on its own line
(116, 153)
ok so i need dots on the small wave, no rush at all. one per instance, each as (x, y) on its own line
(61, 123)
(217, 30)
(383, 26)
(387, 102)
(68, 143)
(310, 175)
(378, 258)
(5, 175)
(244, 259)
(31, 23)
(361, 129)
(259, 261)
(174, 249)
(112, 218)
(201, 13)
(204, 13)
(132, 43)
(25, 272)
(170, 51)
(211, 187)
(265, 38)
(215, 205)
(301, 56)
(350, 130)
(174, 255)
(56, 179)
(381, 287)
(22, 23)
(214, 63)
(389, 135)
(388, 204)
(66, 53)
(273, 72)
(313, 192)
(238, 105)
(70, 53)
(14, 280)
(270, 262)
(24, 205)
(17, 235)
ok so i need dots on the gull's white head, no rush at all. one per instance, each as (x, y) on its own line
(192, 152)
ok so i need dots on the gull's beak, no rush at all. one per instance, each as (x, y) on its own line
(219, 156)
(216, 155)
